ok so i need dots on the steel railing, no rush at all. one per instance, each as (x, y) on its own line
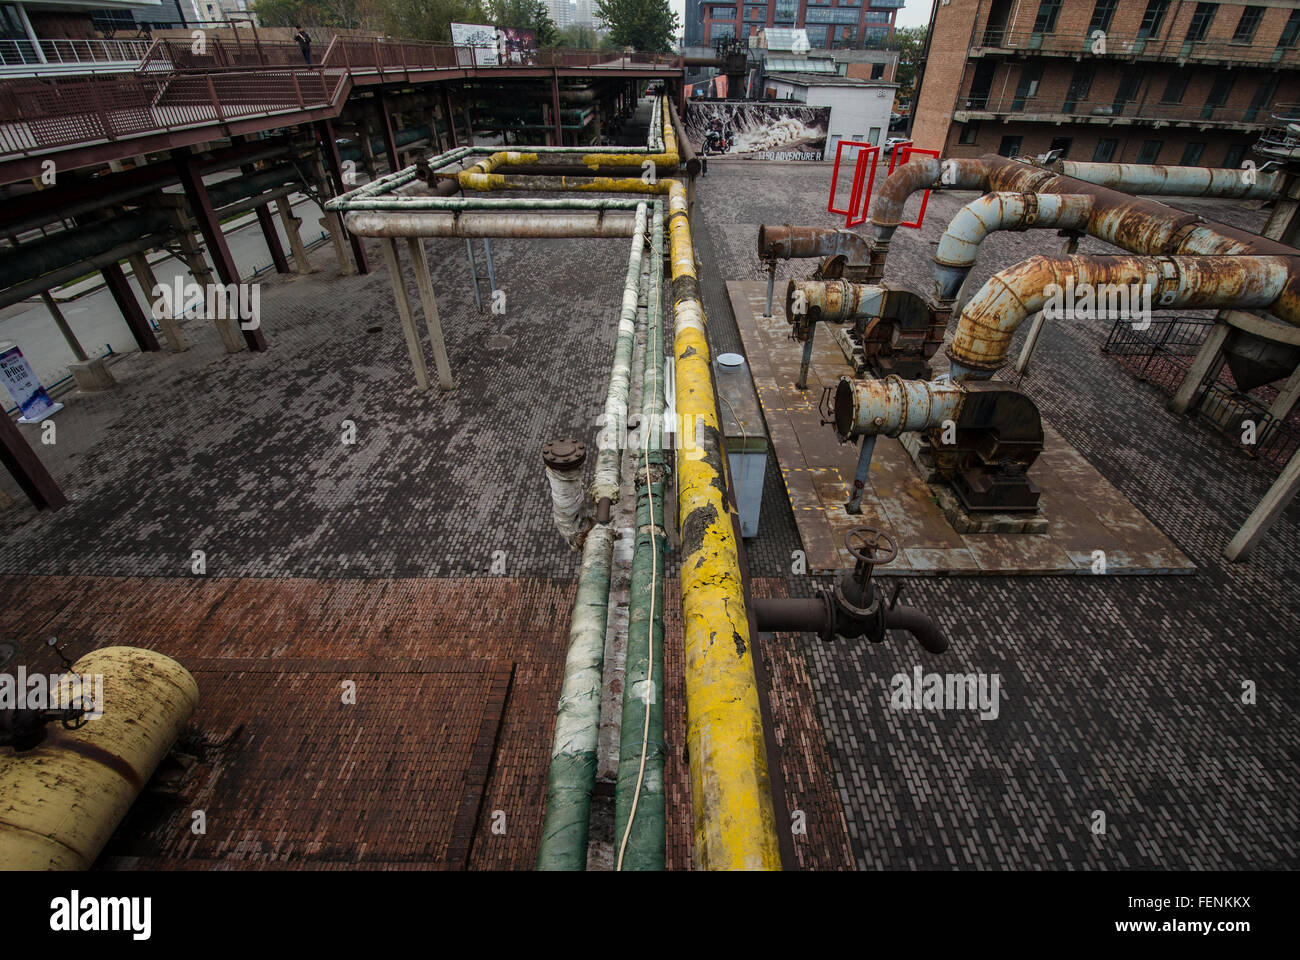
(22, 53)
(1031, 107)
(1121, 46)
(180, 84)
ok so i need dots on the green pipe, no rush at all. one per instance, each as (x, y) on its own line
(572, 774)
(641, 788)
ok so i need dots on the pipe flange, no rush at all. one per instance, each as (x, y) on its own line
(566, 454)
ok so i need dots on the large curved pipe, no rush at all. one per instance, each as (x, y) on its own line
(990, 318)
(1151, 178)
(892, 406)
(959, 246)
(922, 173)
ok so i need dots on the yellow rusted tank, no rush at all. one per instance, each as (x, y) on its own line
(62, 800)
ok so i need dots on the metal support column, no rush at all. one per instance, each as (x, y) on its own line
(330, 151)
(61, 322)
(771, 283)
(130, 307)
(386, 131)
(21, 461)
(1279, 496)
(806, 361)
(201, 207)
(555, 108)
(860, 476)
(451, 117)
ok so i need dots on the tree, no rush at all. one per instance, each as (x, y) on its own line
(909, 42)
(430, 19)
(649, 26)
(578, 37)
(524, 15)
(346, 14)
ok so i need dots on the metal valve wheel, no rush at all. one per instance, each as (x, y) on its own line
(870, 545)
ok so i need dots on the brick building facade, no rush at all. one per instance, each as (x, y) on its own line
(1146, 81)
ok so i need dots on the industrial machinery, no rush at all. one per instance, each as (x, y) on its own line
(855, 607)
(23, 728)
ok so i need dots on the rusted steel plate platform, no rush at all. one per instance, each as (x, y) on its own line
(1085, 513)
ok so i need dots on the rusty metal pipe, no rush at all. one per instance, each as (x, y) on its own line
(868, 408)
(838, 301)
(481, 223)
(1136, 224)
(959, 246)
(785, 242)
(921, 173)
(1170, 181)
(991, 317)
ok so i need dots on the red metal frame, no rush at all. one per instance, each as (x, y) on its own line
(857, 195)
(902, 153)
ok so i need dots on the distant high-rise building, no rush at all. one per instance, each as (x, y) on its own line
(694, 36)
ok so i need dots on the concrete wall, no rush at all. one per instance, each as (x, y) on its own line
(855, 111)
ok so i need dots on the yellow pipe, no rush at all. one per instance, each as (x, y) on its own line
(735, 824)
(61, 801)
(489, 164)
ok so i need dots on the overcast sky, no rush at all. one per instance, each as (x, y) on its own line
(915, 14)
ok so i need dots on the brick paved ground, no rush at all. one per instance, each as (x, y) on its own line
(1119, 695)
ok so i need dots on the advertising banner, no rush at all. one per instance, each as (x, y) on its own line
(20, 380)
(517, 46)
(482, 38)
(758, 130)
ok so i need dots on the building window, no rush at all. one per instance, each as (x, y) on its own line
(1105, 151)
(1080, 87)
(1102, 14)
(1263, 94)
(1153, 18)
(1247, 25)
(816, 35)
(1175, 87)
(719, 30)
(1027, 87)
(1202, 17)
(1061, 144)
(787, 10)
(1192, 155)
(970, 133)
(1150, 151)
(1048, 10)
(1219, 92)
(1009, 147)
(1234, 155)
(1290, 30)
(877, 71)
(722, 13)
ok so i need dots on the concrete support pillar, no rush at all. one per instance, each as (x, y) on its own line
(170, 326)
(330, 154)
(200, 204)
(62, 323)
(1269, 509)
(291, 229)
(424, 280)
(92, 375)
(393, 261)
(1286, 397)
(130, 307)
(26, 468)
(331, 223)
(1206, 358)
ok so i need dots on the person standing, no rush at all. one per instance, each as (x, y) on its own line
(304, 43)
